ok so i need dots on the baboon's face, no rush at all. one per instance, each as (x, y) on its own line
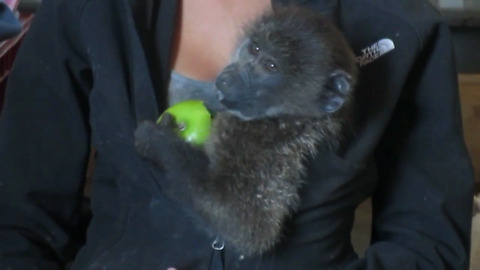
(278, 71)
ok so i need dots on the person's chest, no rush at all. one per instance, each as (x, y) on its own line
(207, 32)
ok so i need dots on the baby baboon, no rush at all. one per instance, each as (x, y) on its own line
(285, 95)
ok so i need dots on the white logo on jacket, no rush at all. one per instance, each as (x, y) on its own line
(374, 51)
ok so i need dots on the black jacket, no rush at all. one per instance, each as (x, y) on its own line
(82, 78)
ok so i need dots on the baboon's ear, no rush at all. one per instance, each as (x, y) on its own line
(335, 91)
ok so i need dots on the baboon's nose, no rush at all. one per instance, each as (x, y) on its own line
(223, 81)
(220, 96)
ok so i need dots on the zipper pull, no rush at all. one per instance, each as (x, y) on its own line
(217, 260)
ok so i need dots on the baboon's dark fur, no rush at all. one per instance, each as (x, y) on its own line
(244, 181)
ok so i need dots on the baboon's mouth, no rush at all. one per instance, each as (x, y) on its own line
(228, 104)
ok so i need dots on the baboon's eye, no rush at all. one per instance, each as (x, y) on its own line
(270, 66)
(254, 48)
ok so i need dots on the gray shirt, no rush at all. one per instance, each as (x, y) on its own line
(184, 88)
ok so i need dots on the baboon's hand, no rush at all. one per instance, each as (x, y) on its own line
(144, 138)
(153, 141)
(167, 120)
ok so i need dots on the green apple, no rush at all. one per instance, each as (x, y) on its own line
(192, 119)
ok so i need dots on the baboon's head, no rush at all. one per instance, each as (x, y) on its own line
(293, 62)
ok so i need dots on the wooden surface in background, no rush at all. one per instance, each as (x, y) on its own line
(470, 100)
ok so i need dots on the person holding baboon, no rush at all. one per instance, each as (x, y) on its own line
(91, 72)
